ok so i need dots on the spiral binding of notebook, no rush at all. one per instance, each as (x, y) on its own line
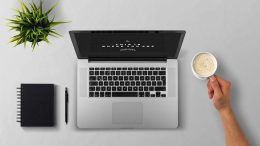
(35, 105)
(19, 107)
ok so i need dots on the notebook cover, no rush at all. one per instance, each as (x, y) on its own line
(37, 105)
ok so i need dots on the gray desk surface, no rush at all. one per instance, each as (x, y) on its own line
(229, 29)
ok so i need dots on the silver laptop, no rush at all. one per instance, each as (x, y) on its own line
(127, 79)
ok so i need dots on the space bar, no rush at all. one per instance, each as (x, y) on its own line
(124, 94)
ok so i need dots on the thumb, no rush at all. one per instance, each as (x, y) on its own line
(214, 84)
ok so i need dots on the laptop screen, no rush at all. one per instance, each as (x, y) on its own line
(129, 44)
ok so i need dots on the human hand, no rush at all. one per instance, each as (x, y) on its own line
(219, 92)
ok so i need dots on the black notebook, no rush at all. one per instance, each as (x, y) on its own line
(36, 108)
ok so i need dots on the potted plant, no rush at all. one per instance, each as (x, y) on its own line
(33, 25)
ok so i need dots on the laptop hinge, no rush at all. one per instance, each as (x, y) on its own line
(127, 59)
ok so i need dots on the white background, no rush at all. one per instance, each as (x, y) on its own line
(230, 29)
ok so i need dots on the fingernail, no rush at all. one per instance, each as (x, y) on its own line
(212, 78)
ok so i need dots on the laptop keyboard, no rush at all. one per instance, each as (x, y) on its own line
(127, 82)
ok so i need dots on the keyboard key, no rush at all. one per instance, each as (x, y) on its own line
(153, 83)
(103, 88)
(151, 88)
(157, 78)
(130, 68)
(162, 72)
(96, 72)
(99, 78)
(136, 78)
(145, 88)
(151, 68)
(124, 94)
(91, 73)
(102, 68)
(159, 83)
(97, 88)
(100, 83)
(124, 68)
(127, 83)
(108, 94)
(96, 94)
(117, 83)
(108, 68)
(160, 88)
(141, 94)
(139, 73)
(138, 83)
(117, 72)
(96, 68)
(108, 88)
(135, 88)
(124, 88)
(153, 78)
(91, 68)
(163, 68)
(125, 78)
(150, 72)
(115, 78)
(120, 78)
(132, 83)
(93, 83)
(119, 68)
(102, 72)
(123, 73)
(107, 73)
(141, 88)
(143, 83)
(152, 95)
(119, 88)
(135, 68)
(147, 94)
(146, 68)
(158, 94)
(101, 94)
(130, 89)
(113, 88)
(144, 72)
(155, 72)
(92, 77)
(113, 73)
(147, 78)
(131, 78)
(122, 83)
(91, 94)
(113, 68)
(109, 78)
(148, 83)
(128, 72)
(163, 95)
(134, 73)
(91, 88)
(141, 68)
(111, 83)
(141, 78)
(157, 68)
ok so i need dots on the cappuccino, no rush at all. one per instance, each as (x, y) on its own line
(204, 64)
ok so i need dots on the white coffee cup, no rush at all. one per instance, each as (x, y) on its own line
(204, 65)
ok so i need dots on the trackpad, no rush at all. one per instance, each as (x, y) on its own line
(127, 113)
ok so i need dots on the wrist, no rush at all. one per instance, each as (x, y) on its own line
(225, 111)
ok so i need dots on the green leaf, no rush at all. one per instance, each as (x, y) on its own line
(56, 23)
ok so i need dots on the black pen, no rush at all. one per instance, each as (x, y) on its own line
(66, 104)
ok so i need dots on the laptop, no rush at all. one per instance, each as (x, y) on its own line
(127, 79)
